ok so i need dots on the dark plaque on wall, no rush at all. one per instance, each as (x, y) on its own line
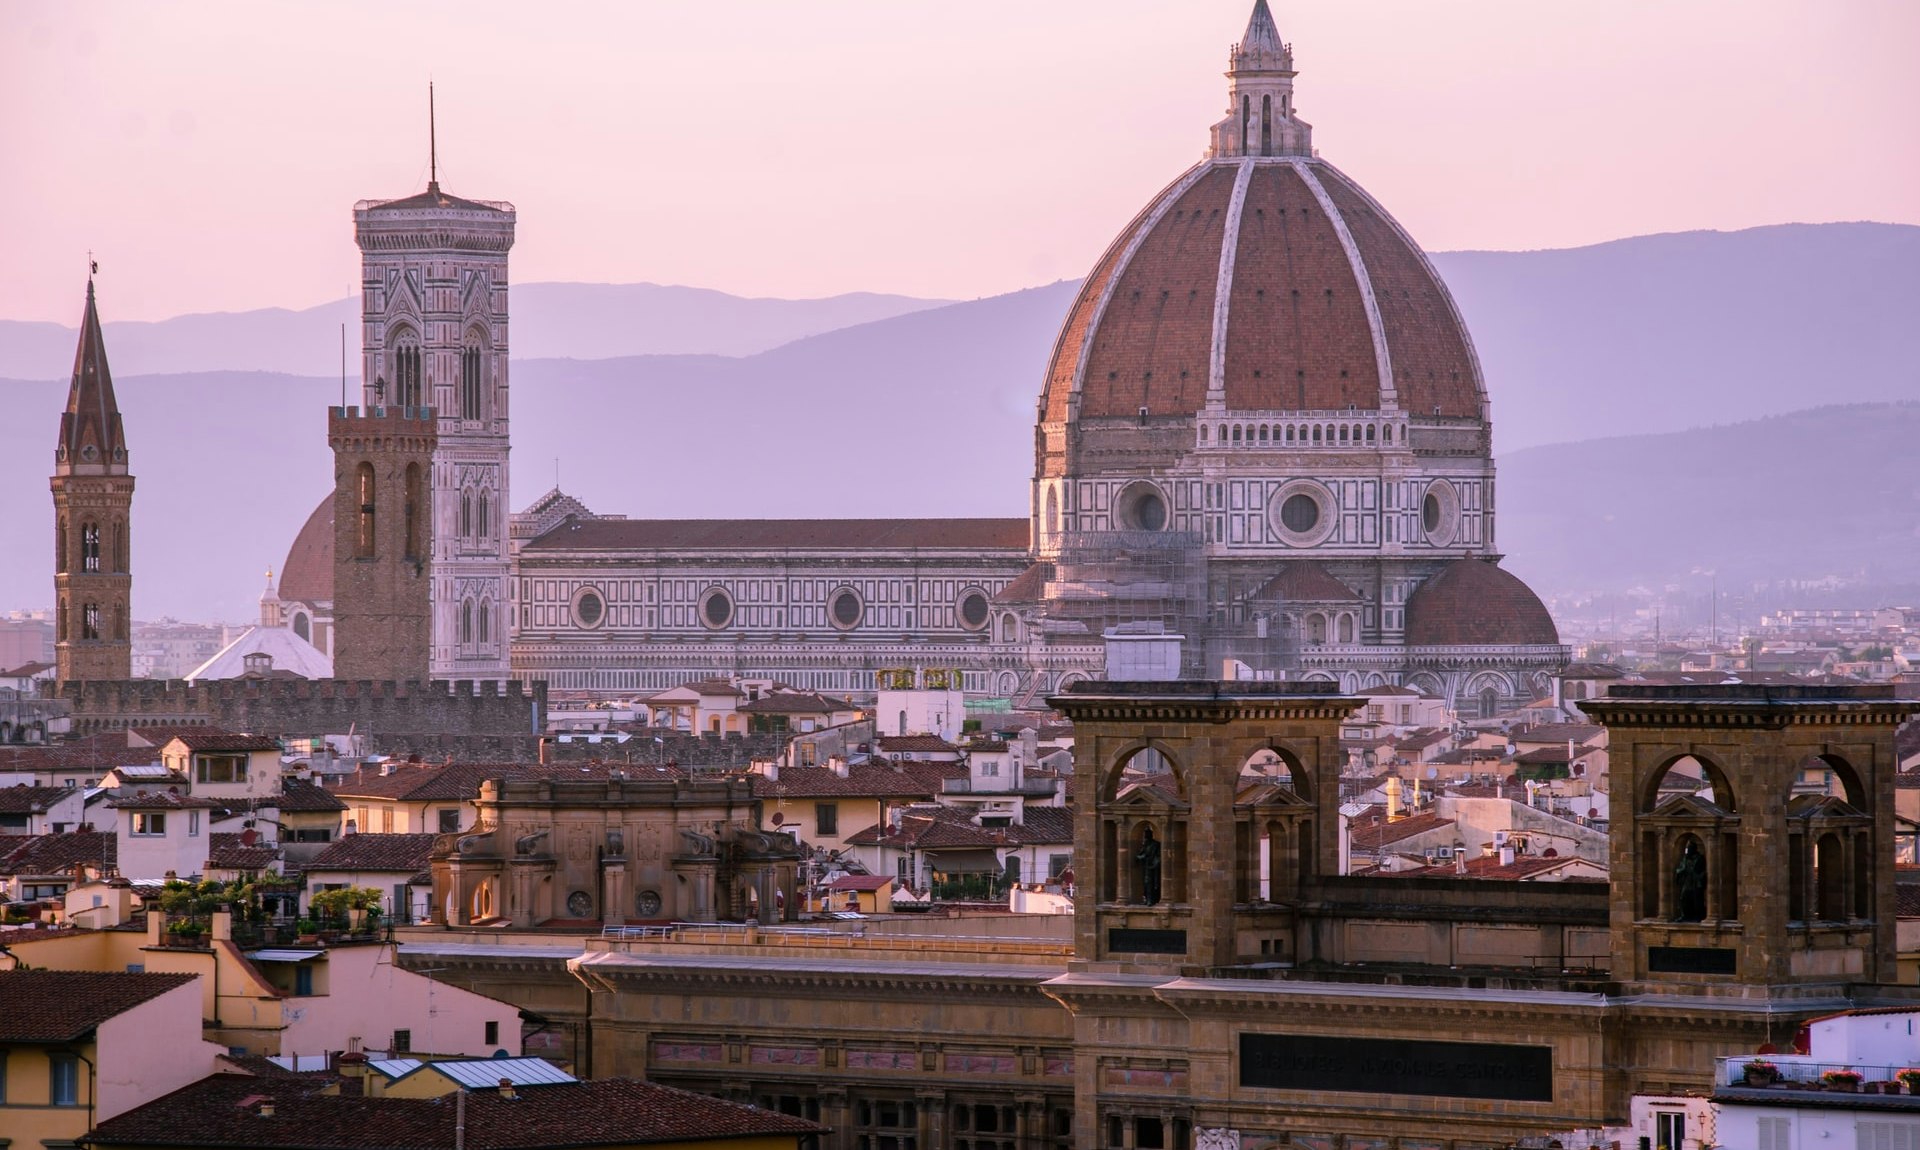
(1392, 1066)
(1124, 940)
(1690, 959)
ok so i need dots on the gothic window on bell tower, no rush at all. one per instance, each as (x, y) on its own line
(90, 547)
(60, 546)
(90, 621)
(470, 370)
(407, 391)
(466, 515)
(119, 546)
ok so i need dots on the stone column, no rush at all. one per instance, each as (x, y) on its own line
(614, 913)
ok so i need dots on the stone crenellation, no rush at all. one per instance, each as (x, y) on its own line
(306, 707)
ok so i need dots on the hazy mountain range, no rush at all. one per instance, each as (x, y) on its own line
(929, 411)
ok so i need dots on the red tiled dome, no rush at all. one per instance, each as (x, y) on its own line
(1325, 294)
(1473, 603)
(307, 575)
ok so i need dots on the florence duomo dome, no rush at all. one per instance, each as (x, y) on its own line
(1265, 406)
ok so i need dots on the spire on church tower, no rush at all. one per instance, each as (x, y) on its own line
(92, 501)
(433, 145)
(1260, 117)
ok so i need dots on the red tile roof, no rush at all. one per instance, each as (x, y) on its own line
(1027, 587)
(1379, 833)
(212, 740)
(915, 744)
(228, 852)
(856, 535)
(795, 703)
(66, 1005)
(223, 1110)
(304, 795)
(1304, 581)
(907, 780)
(1472, 602)
(32, 800)
(162, 801)
(459, 782)
(934, 828)
(58, 854)
(859, 882)
(408, 853)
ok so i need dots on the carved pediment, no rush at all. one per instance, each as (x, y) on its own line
(1689, 807)
(1143, 795)
(1266, 794)
(1825, 807)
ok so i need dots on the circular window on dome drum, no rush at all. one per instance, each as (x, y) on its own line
(716, 610)
(847, 608)
(1140, 507)
(589, 608)
(1440, 513)
(1301, 513)
(973, 609)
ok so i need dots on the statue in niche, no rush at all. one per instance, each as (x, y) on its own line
(1148, 858)
(616, 842)
(1690, 885)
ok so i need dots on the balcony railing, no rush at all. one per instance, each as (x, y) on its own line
(968, 786)
(1800, 1072)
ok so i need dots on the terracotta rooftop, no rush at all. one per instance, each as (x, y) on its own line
(907, 780)
(224, 1110)
(934, 828)
(856, 535)
(795, 703)
(230, 852)
(50, 1006)
(211, 740)
(408, 853)
(162, 801)
(1304, 581)
(1580, 733)
(58, 854)
(458, 782)
(1027, 587)
(304, 795)
(25, 800)
(1379, 833)
(914, 744)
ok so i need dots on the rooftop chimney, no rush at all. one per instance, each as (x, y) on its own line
(506, 1089)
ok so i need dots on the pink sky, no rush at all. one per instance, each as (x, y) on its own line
(210, 153)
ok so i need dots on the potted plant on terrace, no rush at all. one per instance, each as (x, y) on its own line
(1909, 1080)
(308, 930)
(1760, 1072)
(1845, 1081)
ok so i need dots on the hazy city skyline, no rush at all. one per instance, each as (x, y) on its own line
(768, 150)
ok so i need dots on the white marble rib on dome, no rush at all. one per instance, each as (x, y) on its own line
(289, 652)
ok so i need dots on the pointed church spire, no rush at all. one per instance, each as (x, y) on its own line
(433, 144)
(1262, 34)
(90, 430)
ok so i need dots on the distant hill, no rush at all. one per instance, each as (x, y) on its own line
(1663, 332)
(579, 321)
(1830, 491)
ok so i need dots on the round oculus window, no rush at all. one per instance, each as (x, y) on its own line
(1440, 513)
(1300, 513)
(716, 609)
(973, 610)
(847, 608)
(588, 610)
(1141, 507)
(647, 904)
(580, 904)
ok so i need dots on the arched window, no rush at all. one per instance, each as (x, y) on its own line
(1489, 702)
(60, 629)
(363, 543)
(1009, 629)
(60, 546)
(407, 391)
(416, 514)
(90, 621)
(89, 547)
(1343, 435)
(466, 621)
(1289, 433)
(1369, 433)
(484, 625)
(1316, 628)
(1203, 434)
(1053, 512)
(484, 516)
(1346, 628)
(302, 627)
(1316, 435)
(1263, 433)
(119, 545)
(466, 514)
(470, 360)
(1236, 433)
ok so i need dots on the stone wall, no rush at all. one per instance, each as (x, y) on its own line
(309, 707)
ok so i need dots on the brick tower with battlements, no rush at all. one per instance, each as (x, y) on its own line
(92, 499)
(382, 536)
